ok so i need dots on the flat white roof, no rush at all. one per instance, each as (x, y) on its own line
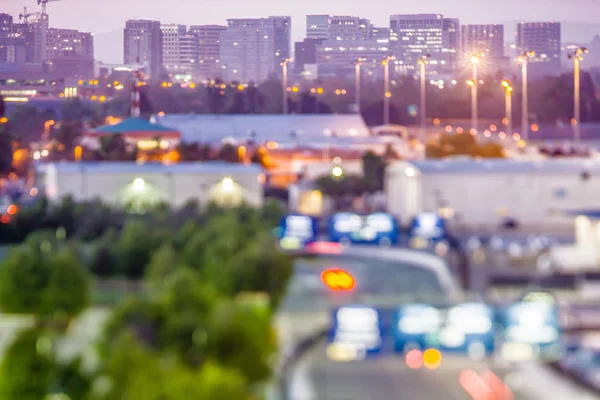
(505, 166)
(212, 128)
(152, 167)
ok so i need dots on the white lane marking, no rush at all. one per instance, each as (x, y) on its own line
(540, 380)
(301, 387)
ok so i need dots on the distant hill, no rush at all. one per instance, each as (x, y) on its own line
(108, 47)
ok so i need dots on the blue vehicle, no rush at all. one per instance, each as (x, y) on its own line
(428, 227)
(377, 228)
(413, 326)
(466, 328)
(356, 333)
(531, 331)
(297, 230)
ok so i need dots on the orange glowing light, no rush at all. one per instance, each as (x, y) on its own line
(473, 132)
(448, 128)
(272, 145)
(493, 128)
(388, 94)
(12, 209)
(436, 121)
(320, 91)
(459, 130)
(432, 358)
(337, 279)
(535, 128)
(504, 121)
(33, 192)
(3, 120)
(414, 359)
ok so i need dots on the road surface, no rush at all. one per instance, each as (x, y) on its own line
(387, 376)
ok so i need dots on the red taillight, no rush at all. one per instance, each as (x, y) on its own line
(338, 279)
(5, 219)
(325, 247)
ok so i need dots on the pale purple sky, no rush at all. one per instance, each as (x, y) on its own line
(104, 16)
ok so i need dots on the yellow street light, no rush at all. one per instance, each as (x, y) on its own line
(505, 84)
(470, 82)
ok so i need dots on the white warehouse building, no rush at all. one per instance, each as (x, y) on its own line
(483, 193)
(141, 185)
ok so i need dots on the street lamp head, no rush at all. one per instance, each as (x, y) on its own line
(505, 83)
(509, 89)
(471, 82)
(474, 59)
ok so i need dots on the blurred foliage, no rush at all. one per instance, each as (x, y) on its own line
(462, 145)
(201, 330)
(45, 280)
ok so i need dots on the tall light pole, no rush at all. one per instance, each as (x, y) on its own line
(474, 83)
(423, 61)
(577, 57)
(284, 65)
(386, 89)
(357, 65)
(508, 106)
(523, 59)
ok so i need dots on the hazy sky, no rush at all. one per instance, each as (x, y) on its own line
(103, 16)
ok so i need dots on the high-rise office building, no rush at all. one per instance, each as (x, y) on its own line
(6, 23)
(380, 33)
(305, 52)
(28, 33)
(252, 49)
(170, 45)
(71, 52)
(544, 38)
(209, 49)
(488, 39)
(337, 57)
(337, 27)
(12, 45)
(451, 40)
(414, 35)
(143, 45)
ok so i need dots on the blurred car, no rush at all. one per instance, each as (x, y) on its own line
(375, 229)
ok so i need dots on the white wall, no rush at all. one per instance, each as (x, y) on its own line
(175, 188)
(485, 198)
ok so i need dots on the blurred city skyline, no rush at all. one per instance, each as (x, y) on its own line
(107, 21)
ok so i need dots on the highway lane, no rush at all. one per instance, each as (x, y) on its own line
(388, 378)
(315, 377)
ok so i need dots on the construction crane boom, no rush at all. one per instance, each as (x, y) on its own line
(44, 3)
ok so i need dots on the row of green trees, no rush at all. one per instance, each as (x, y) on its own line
(200, 328)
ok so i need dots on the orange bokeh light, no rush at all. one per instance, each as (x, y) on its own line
(432, 358)
(337, 279)
(12, 209)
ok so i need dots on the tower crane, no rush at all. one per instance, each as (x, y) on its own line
(26, 14)
(44, 4)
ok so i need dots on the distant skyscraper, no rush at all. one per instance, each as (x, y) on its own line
(305, 52)
(6, 23)
(488, 39)
(337, 27)
(252, 49)
(337, 57)
(209, 49)
(451, 39)
(12, 45)
(380, 33)
(71, 52)
(143, 45)
(414, 35)
(545, 39)
(28, 33)
(180, 50)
